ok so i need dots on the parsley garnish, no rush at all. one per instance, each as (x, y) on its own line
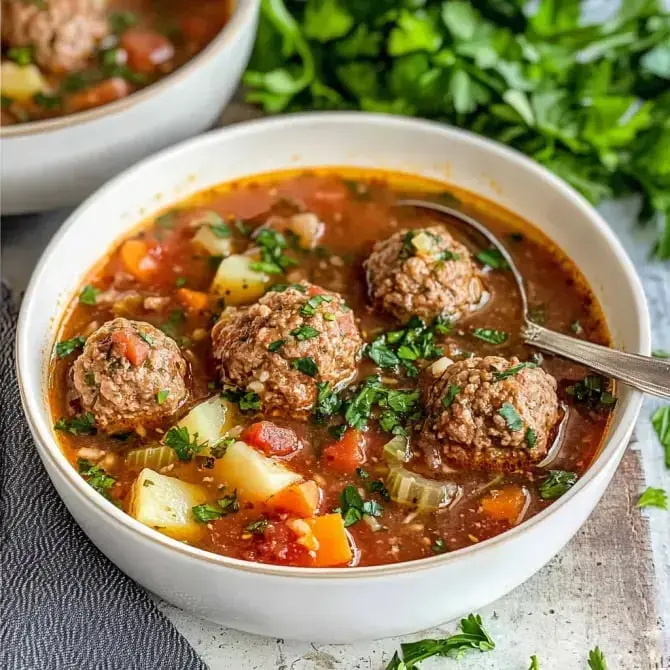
(161, 396)
(353, 508)
(257, 527)
(374, 485)
(306, 365)
(451, 394)
(82, 424)
(51, 102)
(96, 477)
(439, 546)
(276, 345)
(280, 288)
(66, 347)
(224, 506)
(490, 335)
(304, 332)
(576, 327)
(652, 497)
(221, 230)
(119, 22)
(510, 372)
(21, 55)
(531, 438)
(493, 258)
(327, 402)
(88, 295)
(556, 484)
(661, 423)
(597, 660)
(511, 416)
(247, 400)
(592, 391)
(219, 449)
(185, 447)
(172, 326)
(472, 636)
(6, 101)
(180, 282)
(273, 260)
(309, 308)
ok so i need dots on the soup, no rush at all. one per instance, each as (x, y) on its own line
(66, 56)
(292, 369)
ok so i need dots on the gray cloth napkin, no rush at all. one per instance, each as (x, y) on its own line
(63, 604)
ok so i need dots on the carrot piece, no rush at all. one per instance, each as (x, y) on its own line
(146, 49)
(347, 454)
(270, 439)
(101, 94)
(136, 259)
(130, 346)
(300, 499)
(333, 541)
(194, 301)
(505, 504)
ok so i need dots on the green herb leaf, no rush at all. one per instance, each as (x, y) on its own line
(88, 295)
(161, 396)
(96, 477)
(556, 484)
(257, 527)
(439, 546)
(514, 370)
(531, 438)
(490, 335)
(511, 416)
(119, 22)
(660, 353)
(576, 328)
(597, 660)
(306, 365)
(534, 663)
(493, 258)
(185, 446)
(353, 508)
(652, 497)
(82, 424)
(247, 401)
(661, 423)
(309, 308)
(452, 391)
(51, 102)
(594, 392)
(276, 345)
(205, 513)
(327, 404)
(304, 332)
(66, 347)
(21, 55)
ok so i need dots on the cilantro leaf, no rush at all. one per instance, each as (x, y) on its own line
(556, 484)
(490, 335)
(96, 477)
(185, 446)
(652, 497)
(511, 416)
(82, 424)
(66, 347)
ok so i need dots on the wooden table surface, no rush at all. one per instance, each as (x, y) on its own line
(609, 587)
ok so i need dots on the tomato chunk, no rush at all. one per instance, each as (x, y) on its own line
(101, 94)
(130, 346)
(347, 454)
(507, 504)
(271, 439)
(146, 49)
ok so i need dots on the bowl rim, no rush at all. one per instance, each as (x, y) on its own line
(242, 13)
(49, 448)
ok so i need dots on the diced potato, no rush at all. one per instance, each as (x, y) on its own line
(210, 420)
(208, 240)
(237, 283)
(255, 476)
(151, 457)
(165, 504)
(21, 82)
(425, 245)
(307, 227)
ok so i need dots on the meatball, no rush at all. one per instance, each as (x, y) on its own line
(424, 272)
(130, 374)
(63, 33)
(283, 345)
(488, 414)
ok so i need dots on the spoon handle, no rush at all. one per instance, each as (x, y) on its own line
(641, 372)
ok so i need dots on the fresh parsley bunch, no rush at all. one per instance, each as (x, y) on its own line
(591, 102)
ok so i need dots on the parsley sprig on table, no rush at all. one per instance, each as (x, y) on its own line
(588, 101)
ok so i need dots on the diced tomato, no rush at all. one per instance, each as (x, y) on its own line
(146, 49)
(194, 301)
(101, 94)
(130, 346)
(279, 545)
(347, 454)
(505, 504)
(300, 499)
(271, 439)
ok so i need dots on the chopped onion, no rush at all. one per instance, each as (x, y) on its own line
(409, 488)
(372, 523)
(397, 449)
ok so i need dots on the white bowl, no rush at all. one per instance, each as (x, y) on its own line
(58, 162)
(329, 605)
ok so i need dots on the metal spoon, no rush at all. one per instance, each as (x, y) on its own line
(641, 372)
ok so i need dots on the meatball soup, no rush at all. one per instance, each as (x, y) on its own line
(290, 369)
(66, 56)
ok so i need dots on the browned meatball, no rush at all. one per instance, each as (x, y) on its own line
(130, 374)
(285, 343)
(63, 33)
(488, 414)
(424, 272)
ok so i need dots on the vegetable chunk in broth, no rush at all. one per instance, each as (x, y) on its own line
(289, 369)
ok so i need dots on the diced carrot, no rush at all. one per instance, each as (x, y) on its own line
(271, 439)
(505, 504)
(315, 290)
(137, 261)
(347, 454)
(101, 94)
(300, 499)
(194, 301)
(130, 346)
(146, 49)
(334, 548)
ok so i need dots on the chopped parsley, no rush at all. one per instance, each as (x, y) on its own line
(597, 660)
(511, 416)
(96, 477)
(353, 508)
(652, 497)
(309, 308)
(576, 327)
(531, 438)
(272, 245)
(185, 447)
(493, 258)
(172, 326)
(88, 295)
(556, 484)
(452, 391)
(161, 396)
(148, 482)
(221, 230)
(219, 449)
(337, 432)
(82, 424)
(304, 332)
(119, 22)
(276, 345)
(592, 391)
(147, 338)
(89, 378)
(257, 527)
(490, 335)
(51, 102)
(226, 505)
(327, 402)
(66, 347)
(661, 423)
(6, 101)
(280, 288)
(439, 546)
(306, 365)
(374, 485)
(21, 55)
(514, 370)
(180, 282)
(246, 400)
(472, 636)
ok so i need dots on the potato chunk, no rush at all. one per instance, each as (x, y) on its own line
(21, 82)
(207, 239)
(210, 420)
(237, 283)
(255, 476)
(165, 504)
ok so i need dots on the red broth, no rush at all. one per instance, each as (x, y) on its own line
(357, 209)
